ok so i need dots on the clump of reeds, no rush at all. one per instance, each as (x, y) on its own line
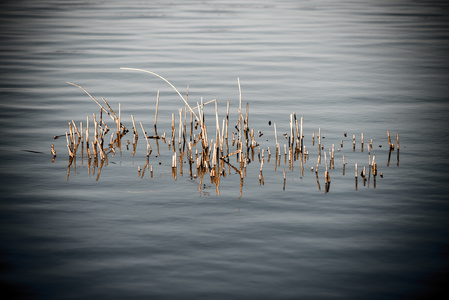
(207, 152)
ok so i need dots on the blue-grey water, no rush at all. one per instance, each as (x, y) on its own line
(344, 66)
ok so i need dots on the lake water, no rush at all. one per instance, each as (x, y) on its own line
(344, 66)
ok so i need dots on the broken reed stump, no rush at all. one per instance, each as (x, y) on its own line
(353, 142)
(389, 141)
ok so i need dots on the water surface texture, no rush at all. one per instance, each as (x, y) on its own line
(344, 66)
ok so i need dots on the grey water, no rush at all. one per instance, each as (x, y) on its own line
(344, 66)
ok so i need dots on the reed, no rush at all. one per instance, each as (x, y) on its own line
(157, 75)
(95, 100)
(353, 142)
(389, 141)
(136, 136)
(149, 150)
(68, 145)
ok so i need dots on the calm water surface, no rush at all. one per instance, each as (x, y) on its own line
(346, 66)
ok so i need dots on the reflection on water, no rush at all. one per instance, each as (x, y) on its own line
(273, 208)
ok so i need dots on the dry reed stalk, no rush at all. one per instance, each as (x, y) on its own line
(319, 138)
(332, 155)
(240, 95)
(213, 162)
(174, 160)
(279, 153)
(119, 119)
(185, 119)
(110, 108)
(81, 131)
(253, 141)
(222, 135)
(93, 99)
(290, 145)
(318, 181)
(71, 134)
(149, 150)
(173, 130)
(134, 145)
(389, 157)
(102, 154)
(191, 125)
(136, 136)
(325, 162)
(217, 125)
(239, 140)
(232, 153)
(95, 130)
(389, 140)
(356, 170)
(157, 75)
(101, 136)
(353, 142)
(106, 128)
(87, 138)
(298, 135)
(68, 146)
(276, 136)
(76, 129)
